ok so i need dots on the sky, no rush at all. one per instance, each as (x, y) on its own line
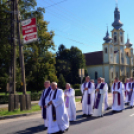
(83, 23)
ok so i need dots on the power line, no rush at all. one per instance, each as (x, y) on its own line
(72, 14)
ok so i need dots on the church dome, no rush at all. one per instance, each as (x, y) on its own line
(107, 38)
(128, 44)
(117, 24)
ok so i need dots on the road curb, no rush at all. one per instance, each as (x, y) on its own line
(18, 115)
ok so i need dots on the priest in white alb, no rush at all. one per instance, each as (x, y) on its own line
(118, 93)
(126, 90)
(70, 102)
(88, 91)
(58, 120)
(42, 101)
(106, 96)
(130, 90)
(100, 96)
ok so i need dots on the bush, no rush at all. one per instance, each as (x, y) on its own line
(3, 99)
(78, 92)
(35, 96)
(76, 86)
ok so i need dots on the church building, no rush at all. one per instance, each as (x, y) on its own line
(116, 57)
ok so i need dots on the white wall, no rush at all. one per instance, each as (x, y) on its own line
(91, 71)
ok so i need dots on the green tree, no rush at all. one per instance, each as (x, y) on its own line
(62, 82)
(39, 60)
(68, 62)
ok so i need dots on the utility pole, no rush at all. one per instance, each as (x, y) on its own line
(25, 99)
(21, 55)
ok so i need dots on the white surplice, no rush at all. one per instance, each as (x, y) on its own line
(88, 108)
(132, 97)
(106, 96)
(127, 89)
(62, 120)
(103, 92)
(71, 108)
(115, 105)
(40, 104)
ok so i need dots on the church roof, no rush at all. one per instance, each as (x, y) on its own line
(94, 58)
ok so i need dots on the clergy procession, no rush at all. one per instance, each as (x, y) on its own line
(59, 108)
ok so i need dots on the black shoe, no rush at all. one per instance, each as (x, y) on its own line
(113, 111)
(45, 128)
(84, 115)
(65, 130)
(131, 107)
(89, 115)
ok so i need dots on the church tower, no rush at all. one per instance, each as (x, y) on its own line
(118, 38)
(108, 49)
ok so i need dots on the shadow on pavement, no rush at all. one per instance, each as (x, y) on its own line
(32, 130)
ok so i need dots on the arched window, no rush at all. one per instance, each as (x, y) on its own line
(112, 75)
(96, 75)
(116, 74)
(127, 54)
(121, 39)
(115, 39)
(105, 50)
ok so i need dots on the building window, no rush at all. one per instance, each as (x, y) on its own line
(121, 39)
(115, 39)
(112, 75)
(127, 53)
(116, 74)
(105, 50)
(127, 74)
(115, 33)
(96, 75)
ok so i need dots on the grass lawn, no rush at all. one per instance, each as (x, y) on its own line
(19, 93)
(35, 108)
(77, 99)
(5, 112)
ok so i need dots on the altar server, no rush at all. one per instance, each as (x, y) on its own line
(58, 120)
(106, 95)
(70, 102)
(88, 91)
(43, 98)
(117, 90)
(100, 95)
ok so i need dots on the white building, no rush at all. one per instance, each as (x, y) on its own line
(116, 57)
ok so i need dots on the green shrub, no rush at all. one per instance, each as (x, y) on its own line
(76, 86)
(78, 92)
(3, 99)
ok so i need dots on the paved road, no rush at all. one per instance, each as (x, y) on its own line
(120, 123)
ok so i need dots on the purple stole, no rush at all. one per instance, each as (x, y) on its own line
(53, 108)
(88, 96)
(125, 84)
(130, 93)
(67, 100)
(43, 102)
(97, 101)
(119, 102)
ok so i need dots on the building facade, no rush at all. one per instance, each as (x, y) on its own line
(116, 57)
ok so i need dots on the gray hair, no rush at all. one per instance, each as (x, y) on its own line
(68, 84)
(47, 81)
(54, 83)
